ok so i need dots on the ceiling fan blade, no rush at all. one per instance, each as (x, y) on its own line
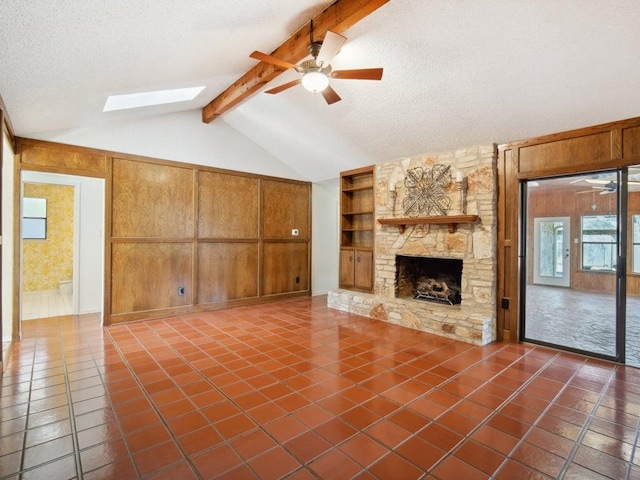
(263, 57)
(330, 95)
(284, 86)
(358, 74)
(331, 45)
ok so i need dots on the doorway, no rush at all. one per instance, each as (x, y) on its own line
(576, 289)
(72, 222)
(551, 251)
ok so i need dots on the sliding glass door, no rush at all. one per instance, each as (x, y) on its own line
(632, 303)
(571, 244)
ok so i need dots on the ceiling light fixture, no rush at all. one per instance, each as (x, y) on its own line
(315, 80)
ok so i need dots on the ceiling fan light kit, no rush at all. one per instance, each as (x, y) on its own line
(315, 80)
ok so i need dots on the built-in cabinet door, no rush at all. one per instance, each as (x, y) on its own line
(356, 269)
(364, 269)
(347, 272)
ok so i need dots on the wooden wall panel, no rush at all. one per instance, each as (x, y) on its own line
(285, 268)
(151, 200)
(146, 276)
(62, 159)
(508, 207)
(631, 143)
(573, 154)
(227, 271)
(228, 206)
(171, 224)
(285, 206)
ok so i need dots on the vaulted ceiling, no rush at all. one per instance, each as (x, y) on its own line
(455, 74)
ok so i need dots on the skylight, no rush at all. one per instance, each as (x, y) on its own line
(146, 99)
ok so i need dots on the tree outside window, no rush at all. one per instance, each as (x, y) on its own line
(599, 242)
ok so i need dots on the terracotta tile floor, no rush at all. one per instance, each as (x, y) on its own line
(296, 390)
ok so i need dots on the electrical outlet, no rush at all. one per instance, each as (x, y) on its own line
(295, 232)
(181, 291)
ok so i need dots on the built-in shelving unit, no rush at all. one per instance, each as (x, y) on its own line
(357, 228)
(451, 221)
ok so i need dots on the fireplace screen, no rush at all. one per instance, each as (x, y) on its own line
(429, 279)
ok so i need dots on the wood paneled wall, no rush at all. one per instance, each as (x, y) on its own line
(591, 149)
(184, 238)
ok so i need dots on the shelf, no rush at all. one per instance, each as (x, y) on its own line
(357, 189)
(450, 220)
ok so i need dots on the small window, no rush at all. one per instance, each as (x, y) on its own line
(34, 218)
(599, 242)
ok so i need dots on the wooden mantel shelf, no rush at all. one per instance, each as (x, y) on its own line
(450, 220)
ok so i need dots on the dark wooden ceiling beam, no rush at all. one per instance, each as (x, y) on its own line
(338, 17)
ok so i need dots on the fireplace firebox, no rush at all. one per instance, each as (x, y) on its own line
(429, 279)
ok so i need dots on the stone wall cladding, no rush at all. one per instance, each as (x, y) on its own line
(474, 320)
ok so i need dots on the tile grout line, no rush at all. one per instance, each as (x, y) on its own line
(72, 419)
(550, 404)
(468, 435)
(164, 421)
(303, 466)
(634, 449)
(26, 425)
(111, 404)
(578, 441)
(108, 398)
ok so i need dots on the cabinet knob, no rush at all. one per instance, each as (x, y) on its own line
(351, 258)
(358, 258)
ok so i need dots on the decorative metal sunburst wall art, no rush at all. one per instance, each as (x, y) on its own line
(426, 195)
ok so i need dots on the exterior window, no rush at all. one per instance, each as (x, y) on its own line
(599, 242)
(34, 219)
(636, 243)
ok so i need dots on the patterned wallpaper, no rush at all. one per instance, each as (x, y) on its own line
(47, 262)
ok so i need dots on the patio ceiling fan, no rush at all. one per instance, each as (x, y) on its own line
(317, 72)
(606, 186)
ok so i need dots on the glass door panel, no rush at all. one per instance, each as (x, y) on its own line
(632, 310)
(551, 252)
(569, 276)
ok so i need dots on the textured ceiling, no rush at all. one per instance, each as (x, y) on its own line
(457, 73)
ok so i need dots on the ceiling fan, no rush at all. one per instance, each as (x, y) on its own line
(609, 186)
(317, 71)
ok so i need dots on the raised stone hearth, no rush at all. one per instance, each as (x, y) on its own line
(473, 319)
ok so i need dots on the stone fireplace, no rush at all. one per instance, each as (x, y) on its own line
(456, 265)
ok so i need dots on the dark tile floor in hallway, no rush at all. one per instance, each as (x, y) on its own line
(296, 390)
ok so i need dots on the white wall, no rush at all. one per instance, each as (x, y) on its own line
(325, 237)
(89, 270)
(181, 137)
(7, 241)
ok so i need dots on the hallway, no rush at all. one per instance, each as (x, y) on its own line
(296, 390)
